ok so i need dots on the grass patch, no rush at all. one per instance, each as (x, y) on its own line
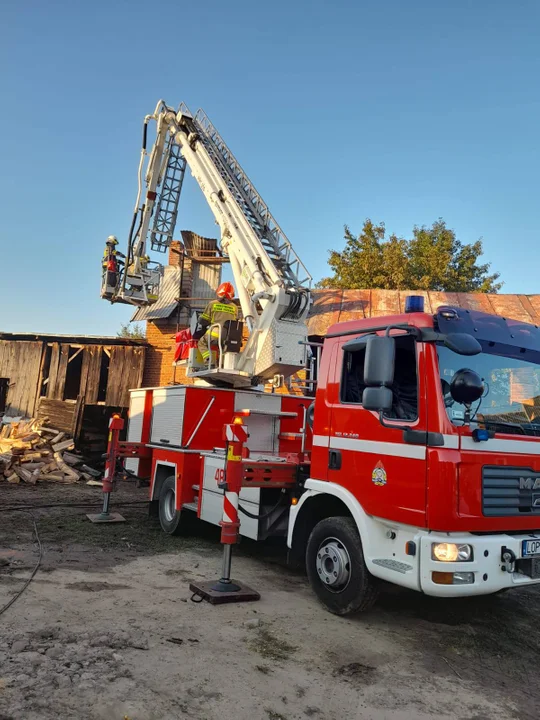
(273, 715)
(270, 647)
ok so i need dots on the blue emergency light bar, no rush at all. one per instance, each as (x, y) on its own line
(414, 303)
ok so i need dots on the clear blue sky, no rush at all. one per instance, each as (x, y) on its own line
(402, 111)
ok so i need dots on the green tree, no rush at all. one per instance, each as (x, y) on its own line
(433, 259)
(136, 332)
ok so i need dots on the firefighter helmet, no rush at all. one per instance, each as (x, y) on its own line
(226, 289)
(111, 240)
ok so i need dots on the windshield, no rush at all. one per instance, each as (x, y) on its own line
(511, 401)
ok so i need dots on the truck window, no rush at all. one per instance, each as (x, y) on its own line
(405, 385)
(352, 379)
(404, 388)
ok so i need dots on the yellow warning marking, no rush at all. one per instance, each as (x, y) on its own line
(232, 456)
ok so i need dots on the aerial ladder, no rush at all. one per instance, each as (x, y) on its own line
(272, 283)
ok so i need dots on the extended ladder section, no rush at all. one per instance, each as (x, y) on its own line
(272, 238)
(166, 211)
(273, 284)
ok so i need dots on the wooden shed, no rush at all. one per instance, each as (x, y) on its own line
(64, 376)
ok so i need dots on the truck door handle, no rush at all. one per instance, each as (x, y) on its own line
(334, 460)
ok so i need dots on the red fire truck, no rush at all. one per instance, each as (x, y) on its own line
(417, 462)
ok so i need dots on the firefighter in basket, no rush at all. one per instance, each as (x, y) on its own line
(111, 265)
(212, 320)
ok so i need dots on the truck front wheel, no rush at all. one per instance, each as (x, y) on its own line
(336, 568)
(169, 516)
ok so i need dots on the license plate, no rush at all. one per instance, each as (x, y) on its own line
(530, 547)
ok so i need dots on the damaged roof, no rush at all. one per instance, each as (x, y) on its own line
(332, 306)
(198, 246)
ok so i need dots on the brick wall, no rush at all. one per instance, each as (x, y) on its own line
(158, 368)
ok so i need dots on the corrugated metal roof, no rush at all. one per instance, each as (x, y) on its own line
(167, 301)
(332, 306)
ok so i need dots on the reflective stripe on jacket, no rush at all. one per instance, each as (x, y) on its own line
(219, 311)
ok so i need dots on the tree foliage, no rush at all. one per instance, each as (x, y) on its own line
(432, 259)
(135, 332)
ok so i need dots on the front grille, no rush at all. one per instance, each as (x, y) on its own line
(510, 491)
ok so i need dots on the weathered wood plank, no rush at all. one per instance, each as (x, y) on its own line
(84, 371)
(21, 363)
(131, 378)
(64, 445)
(92, 385)
(53, 370)
(62, 369)
(141, 353)
(116, 374)
(32, 372)
(135, 376)
(77, 417)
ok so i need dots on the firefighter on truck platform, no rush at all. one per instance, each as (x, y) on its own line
(111, 265)
(215, 314)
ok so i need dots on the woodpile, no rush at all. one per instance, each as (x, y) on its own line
(32, 452)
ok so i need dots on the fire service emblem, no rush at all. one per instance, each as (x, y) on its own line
(378, 476)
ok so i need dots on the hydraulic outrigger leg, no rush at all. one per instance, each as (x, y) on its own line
(226, 590)
(116, 425)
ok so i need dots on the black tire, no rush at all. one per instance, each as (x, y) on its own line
(336, 568)
(169, 517)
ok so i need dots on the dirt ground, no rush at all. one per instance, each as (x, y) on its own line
(107, 630)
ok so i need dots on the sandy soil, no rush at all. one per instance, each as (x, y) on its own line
(107, 630)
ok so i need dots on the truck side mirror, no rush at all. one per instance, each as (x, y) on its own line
(379, 367)
(379, 364)
(377, 398)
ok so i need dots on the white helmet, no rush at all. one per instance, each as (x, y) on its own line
(111, 240)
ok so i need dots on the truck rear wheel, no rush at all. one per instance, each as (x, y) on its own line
(169, 516)
(336, 568)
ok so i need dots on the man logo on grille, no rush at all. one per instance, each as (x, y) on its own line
(529, 483)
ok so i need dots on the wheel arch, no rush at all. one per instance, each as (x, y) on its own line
(162, 471)
(380, 538)
(313, 507)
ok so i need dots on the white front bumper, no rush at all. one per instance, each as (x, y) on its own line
(487, 565)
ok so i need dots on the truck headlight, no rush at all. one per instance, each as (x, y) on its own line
(451, 552)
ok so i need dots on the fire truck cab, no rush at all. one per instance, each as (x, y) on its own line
(425, 465)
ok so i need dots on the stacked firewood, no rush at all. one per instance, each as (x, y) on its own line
(32, 452)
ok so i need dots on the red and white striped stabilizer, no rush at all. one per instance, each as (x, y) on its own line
(236, 435)
(230, 507)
